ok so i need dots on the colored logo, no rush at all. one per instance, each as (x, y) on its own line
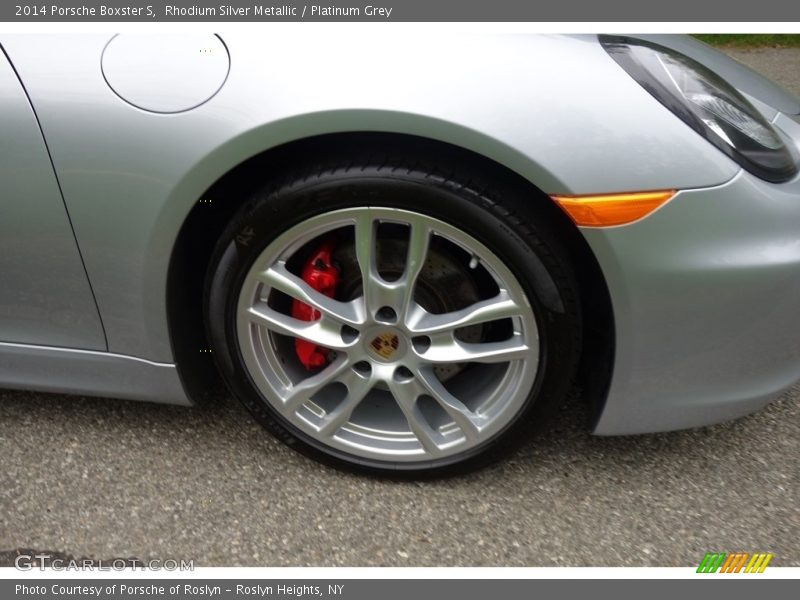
(738, 562)
(385, 344)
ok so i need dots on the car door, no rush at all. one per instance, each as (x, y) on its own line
(45, 295)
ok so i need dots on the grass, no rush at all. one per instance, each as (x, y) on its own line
(751, 40)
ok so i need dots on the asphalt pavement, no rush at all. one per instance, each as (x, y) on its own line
(108, 478)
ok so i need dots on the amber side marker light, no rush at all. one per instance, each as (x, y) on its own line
(605, 210)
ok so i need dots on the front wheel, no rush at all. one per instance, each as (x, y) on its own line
(380, 317)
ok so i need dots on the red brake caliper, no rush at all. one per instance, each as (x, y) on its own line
(320, 273)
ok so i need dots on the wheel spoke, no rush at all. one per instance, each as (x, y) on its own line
(467, 421)
(406, 394)
(371, 282)
(492, 309)
(357, 388)
(302, 391)
(418, 241)
(451, 350)
(281, 279)
(323, 332)
(378, 292)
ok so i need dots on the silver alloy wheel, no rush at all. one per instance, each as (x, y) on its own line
(380, 396)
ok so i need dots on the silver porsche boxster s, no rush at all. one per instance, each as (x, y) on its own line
(400, 253)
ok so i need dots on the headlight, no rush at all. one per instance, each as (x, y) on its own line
(707, 103)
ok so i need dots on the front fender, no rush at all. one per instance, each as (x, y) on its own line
(555, 109)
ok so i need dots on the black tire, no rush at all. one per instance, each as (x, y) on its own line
(515, 226)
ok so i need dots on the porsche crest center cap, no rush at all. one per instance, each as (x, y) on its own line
(385, 344)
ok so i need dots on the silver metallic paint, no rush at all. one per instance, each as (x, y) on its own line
(45, 296)
(165, 73)
(27, 366)
(703, 289)
(131, 177)
(705, 294)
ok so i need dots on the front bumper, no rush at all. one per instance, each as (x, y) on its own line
(706, 292)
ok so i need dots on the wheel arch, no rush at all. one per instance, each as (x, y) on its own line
(213, 208)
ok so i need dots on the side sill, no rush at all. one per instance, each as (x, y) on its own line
(91, 373)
